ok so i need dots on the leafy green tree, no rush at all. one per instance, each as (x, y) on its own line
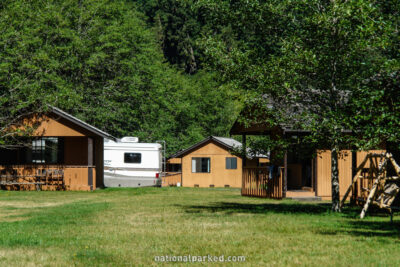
(99, 61)
(316, 57)
(377, 100)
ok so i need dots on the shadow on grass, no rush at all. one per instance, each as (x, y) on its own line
(350, 224)
(365, 228)
(282, 207)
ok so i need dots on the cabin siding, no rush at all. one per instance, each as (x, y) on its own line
(175, 161)
(362, 154)
(323, 162)
(345, 171)
(219, 176)
(77, 178)
(54, 126)
(324, 174)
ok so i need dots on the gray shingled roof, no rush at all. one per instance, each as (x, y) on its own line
(228, 143)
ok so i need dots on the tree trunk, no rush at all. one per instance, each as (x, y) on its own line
(335, 181)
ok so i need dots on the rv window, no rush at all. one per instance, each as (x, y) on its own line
(133, 158)
(200, 164)
(231, 163)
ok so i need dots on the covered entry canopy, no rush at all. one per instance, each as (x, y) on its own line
(264, 128)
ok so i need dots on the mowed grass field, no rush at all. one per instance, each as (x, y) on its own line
(130, 227)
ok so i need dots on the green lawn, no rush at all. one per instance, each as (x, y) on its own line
(130, 227)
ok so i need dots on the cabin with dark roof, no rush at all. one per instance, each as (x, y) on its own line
(213, 162)
(61, 153)
(302, 175)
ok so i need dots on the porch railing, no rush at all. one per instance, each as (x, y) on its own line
(261, 182)
(47, 177)
(172, 179)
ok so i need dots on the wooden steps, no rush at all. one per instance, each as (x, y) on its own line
(302, 195)
(299, 193)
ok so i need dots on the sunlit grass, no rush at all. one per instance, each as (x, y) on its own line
(129, 227)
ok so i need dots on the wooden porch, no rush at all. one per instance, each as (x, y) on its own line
(47, 177)
(300, 193)
(261, 182)
(171, 179)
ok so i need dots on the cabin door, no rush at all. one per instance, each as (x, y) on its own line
(300, 172)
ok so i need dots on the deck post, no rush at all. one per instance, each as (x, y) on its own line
(99, 161)
(353, 173)
(244, 156)
(284, 175)
(90, 163)
(313, 175)
(90, 151)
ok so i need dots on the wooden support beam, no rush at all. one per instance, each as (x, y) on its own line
(90, 162)
(357, 171)
(285, 175)
(384, 154)
(244, 148)
(90, 151)
(354, 189)
(392, 178)
(395, 165)
(373, 189)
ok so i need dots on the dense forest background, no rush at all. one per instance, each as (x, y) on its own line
(128, 67)
(180, 70)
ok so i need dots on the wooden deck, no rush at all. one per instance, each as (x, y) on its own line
(302, 195)
(172, 179)
(257, 182)
(47, 177)
(299, 193)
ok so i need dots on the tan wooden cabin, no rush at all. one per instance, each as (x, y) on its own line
(209, 163)
(64, 153)
(298, 177)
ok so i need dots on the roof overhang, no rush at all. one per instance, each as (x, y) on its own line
(80, 123)
(183, 152)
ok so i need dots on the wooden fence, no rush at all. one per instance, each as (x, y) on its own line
(258, 182)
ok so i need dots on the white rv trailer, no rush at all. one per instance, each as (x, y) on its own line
(128, 163)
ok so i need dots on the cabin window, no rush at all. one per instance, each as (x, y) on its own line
(49, 150)
(200, 164)
(174, 167)
(231, 163)
(132, 157)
